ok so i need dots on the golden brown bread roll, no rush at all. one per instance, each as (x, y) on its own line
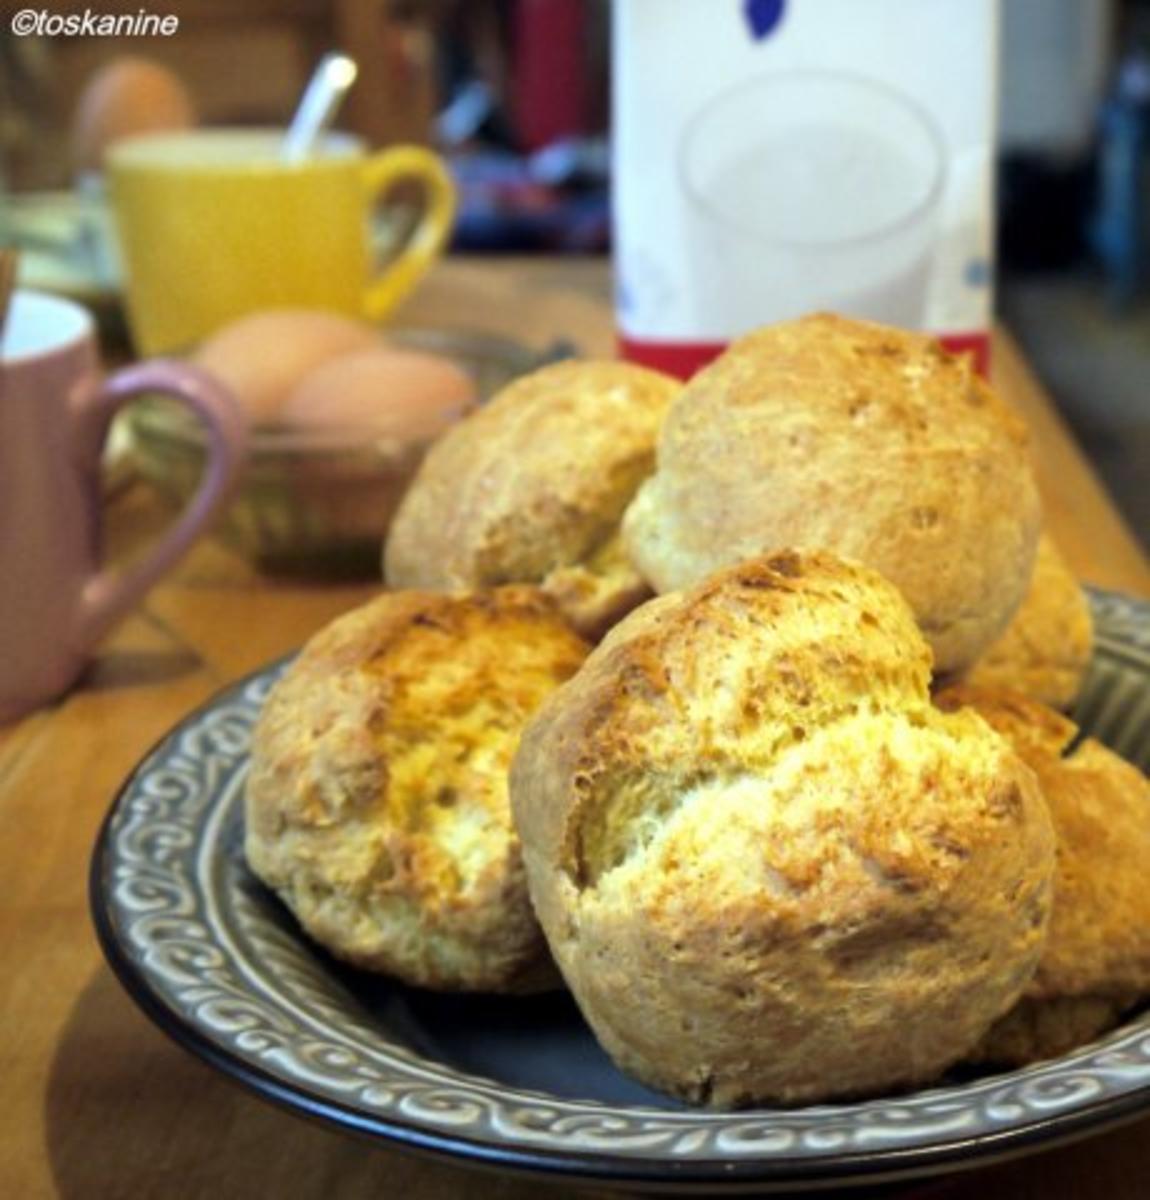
(1035, 1030)
(377, 802)
(867, 441)
(768, 869)
(1096, 962)
(531, 488)
(1046, 649)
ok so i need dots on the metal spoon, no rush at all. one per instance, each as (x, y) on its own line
(317, 107)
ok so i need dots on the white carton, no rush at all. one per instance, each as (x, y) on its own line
(776, 157)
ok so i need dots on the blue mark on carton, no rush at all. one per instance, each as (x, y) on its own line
(762, 16)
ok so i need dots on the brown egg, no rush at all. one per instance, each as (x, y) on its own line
(263, 356)
(398, 394)
(127, 96)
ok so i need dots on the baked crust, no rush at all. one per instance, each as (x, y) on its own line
(1034, 1030)
(871, 442)
(377, 802)
(1096, 962)
(767, 867)
(531, 487)
(1046, 649)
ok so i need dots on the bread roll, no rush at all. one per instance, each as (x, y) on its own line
(1096, 962)
(377, 801)
(870, 442)
(1046, 649)
(767, 868)
(1035, 1030)
(531, 488)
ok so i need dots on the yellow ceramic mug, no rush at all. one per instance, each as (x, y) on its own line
(215, 223)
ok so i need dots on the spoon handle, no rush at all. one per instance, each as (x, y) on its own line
(317, 107)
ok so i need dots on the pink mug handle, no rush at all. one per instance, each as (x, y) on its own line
(108, 595)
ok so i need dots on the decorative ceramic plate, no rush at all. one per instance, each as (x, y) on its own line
(216, 961)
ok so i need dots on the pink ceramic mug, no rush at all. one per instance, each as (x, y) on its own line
(56, 600)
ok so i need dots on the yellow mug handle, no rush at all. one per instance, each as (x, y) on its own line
(383, 171)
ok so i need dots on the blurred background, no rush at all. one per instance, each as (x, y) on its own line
(516, 94)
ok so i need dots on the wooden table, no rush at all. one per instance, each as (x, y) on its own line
(94, 1101)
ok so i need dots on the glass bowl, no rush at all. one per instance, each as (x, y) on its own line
(317, 502)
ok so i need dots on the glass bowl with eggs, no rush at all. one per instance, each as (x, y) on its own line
(342, 414)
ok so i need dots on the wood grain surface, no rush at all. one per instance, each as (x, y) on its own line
(96, 1102)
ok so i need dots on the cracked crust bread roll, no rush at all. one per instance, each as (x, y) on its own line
(768, 868)
(377, 803)
(870, 442)
(531, 488)
(1046, 649)
(1096, 963)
